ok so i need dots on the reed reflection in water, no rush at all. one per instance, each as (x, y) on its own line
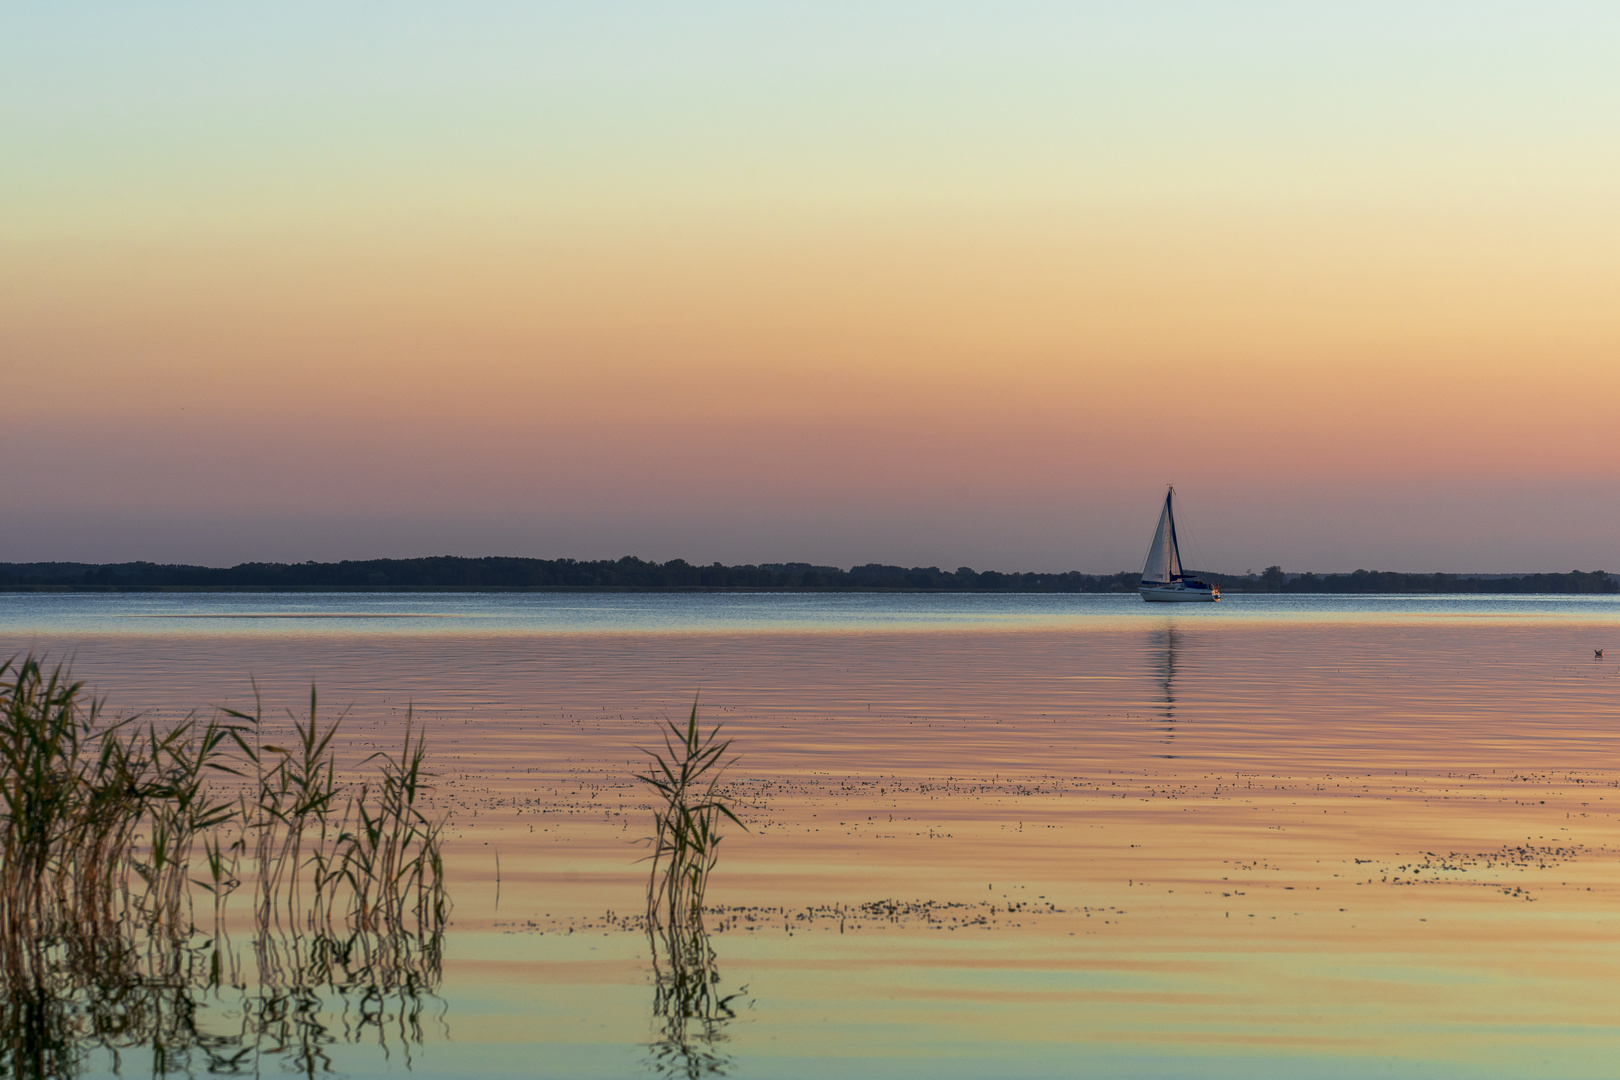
(690, 1013)
(206, 1006)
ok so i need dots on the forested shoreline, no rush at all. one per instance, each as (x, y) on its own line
(1385, 581)
(457, 574)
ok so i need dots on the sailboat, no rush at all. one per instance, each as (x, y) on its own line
(1162, 577)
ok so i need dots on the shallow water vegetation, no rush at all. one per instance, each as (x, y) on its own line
(98, 821)
(106, 824)
(328, 857)
(688, 1007)
(686, 821)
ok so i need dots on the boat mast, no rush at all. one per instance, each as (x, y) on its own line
(1170, 519)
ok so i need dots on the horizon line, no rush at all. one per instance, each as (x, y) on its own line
(784, 564)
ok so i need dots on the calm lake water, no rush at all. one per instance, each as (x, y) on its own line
(1030, 835)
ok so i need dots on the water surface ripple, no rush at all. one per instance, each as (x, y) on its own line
(1041, 834)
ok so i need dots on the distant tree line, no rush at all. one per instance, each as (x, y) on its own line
(1274, 579)
(450, 573)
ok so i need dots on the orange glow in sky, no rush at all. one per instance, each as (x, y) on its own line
(881, 283)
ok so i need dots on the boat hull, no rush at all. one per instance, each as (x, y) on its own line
(1177, 594)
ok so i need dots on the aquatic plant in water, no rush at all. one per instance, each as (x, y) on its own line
(686, 821)
(100, 822)
(374, 867)
(687, 1002)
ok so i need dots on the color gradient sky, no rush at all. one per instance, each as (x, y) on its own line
(936, 283)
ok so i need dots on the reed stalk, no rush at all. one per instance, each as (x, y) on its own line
(106, 825)
(288, 816)
(686, 821)
(392, 858)
(687, 814)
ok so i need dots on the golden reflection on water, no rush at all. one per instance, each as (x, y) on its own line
(1181, 846)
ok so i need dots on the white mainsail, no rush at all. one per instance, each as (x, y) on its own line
(1164, 556)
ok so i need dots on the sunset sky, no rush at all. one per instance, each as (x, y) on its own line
(926, 283)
